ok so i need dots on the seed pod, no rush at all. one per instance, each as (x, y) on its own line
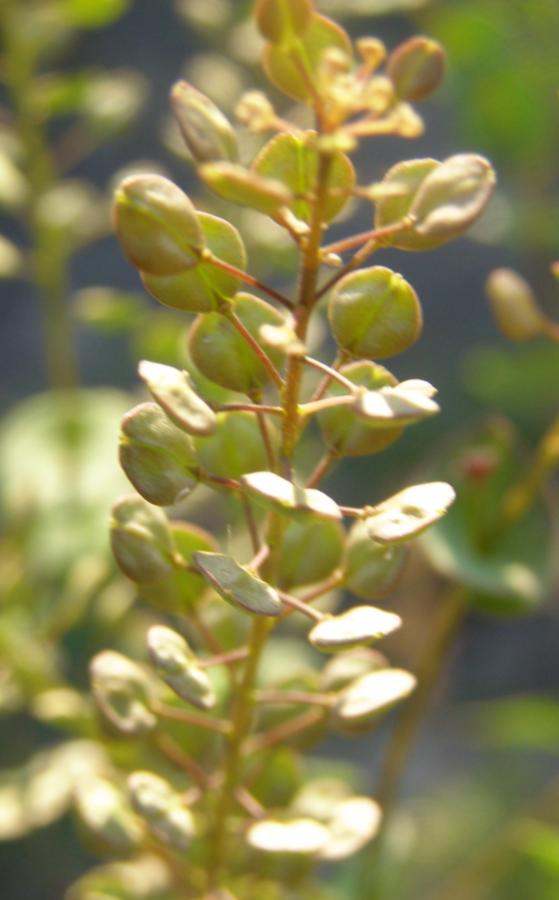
(223, 355)
(359, 626)
(374, 313)
(207, 132)
(283, 496)
(123, 693)
(396, 193)
(177, 666)
(157, 225)
(235, 447)
(409, 512)
(240, 185)
(174, 392)
(141, 540)
(161, 809)
(514, 305)
(310, 551)
(416, 68)
(156, 456)
(107, 816)
(237, 585)
(362, 701)
(370, 568)
(279, 20)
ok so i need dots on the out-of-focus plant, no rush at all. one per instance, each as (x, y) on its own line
(209, 725)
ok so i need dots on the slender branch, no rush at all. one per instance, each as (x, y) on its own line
(322, 468)
(255, 347)
(352, 512)
(182, 760)
(220, 726)
(224, 659)
(271, 696)
(333, 374)
(251, 523)
(249, 803)
(209, 257)
(301, 607)
(316, 406)
(257, 409)
(285, 730)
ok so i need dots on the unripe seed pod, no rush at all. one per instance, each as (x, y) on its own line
(374, 313)
(141, 540)
(235, 447)
(208, 134)
(310, 551)
(183, 588)
(281, 19)
(343, 430)
(514, 305)
(156, 456)
(123, 693)
(157, 225)
(177, 666)
(223, 355)
(416, 68)
(175, 394)
(162, 809)
(107, 816)
(396, 195)
(239, 185)
(370, 568)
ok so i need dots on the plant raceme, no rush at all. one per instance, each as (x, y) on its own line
(219, 799)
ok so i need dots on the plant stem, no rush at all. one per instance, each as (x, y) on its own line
(246, 278)
(256, 348)
(285, 730)
(322, 468)
(434, 656)
(241, 721)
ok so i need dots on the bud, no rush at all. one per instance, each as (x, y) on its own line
(514, 305)
(372, 52)
(173, 391)
(123, 693)
(208, 134)
(156, 456)
(280, 20)
(452, 196)
(359, 626)
(141, 540)
(162, 809)
(240, 185)
(223, 355)
(157, 225)
(416, 68)
(370, 568)
(107, 816)
(177, 666)
(374, 313)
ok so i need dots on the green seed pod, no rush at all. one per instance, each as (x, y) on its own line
(123, 693)
(374, 313)
(409, 512)
(208, 134)
(174, 392)
(280, 20)
(107, 816)
(365, 699)
(237, 585)
(157, 225)
(161, 809)
(223, 355)
(310, 551)
(343, 668)
(284, 496)
(293, 837)
(357, 627)
(204, 287)
(177, 666)
(343, 430)
(182, 588)
(452, 196)
(514, 305)
(416, 68)
(239, 185)
(235, 447)
(370, 568)
(141, 540)
(396, 194)
(156, 456)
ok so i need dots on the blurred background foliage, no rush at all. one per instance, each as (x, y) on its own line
(83, 93)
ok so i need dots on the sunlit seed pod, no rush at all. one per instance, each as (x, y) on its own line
(364, 700)
(284, 496)
(141, 540)
(370, 568)
(514, 305)
(207, 132)
(123, 693)
(374, 313)
(237, 585)
(235, 447)
(183, 588)
(292, 837)
(174, 392)
(409, 512)
(416, 68)
(176, 664)
(395, 195)
(310, 551)
(245, 187)
(107, 817)
(345, 667)
(162, 810)
(157, 225)
(358, 626)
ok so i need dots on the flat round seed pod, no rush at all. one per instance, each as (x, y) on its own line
(358, 626)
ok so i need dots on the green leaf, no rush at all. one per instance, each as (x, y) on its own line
(416, 68)
(223, 355)
(506, 568)
(239, 185)
(176, 664)
(408, 512)
(172, 389)
(294, 161)
(157, 457)
(372, 694)
(235, 447)
(358, 626)
(281, 495)
(207, 132)
(204, 287)
(163, 811)
(123, 693)
(345, 432)
(237, 585)
(141, 540)
(281, 20)
(293, 67)
(181, 588)
(370, 568)
(374, 313)
(310, 551)
(157, 225)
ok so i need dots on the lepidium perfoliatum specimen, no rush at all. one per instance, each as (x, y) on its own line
(223, 704)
